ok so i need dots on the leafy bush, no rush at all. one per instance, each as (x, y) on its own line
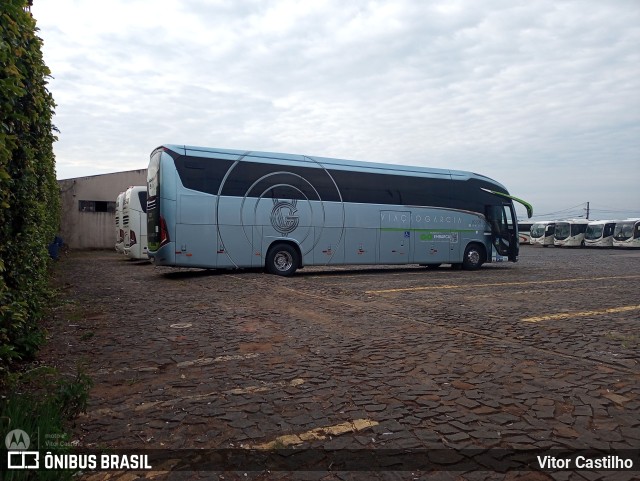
(29, 196)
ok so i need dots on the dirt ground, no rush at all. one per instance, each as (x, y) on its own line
(541, 354)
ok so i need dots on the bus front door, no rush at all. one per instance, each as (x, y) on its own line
(504, 232)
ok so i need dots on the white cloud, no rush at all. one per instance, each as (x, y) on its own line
(543, 96)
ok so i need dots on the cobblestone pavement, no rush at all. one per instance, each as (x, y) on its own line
(540, 354)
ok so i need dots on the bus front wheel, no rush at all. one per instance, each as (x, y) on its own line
(282, 260)
(473, 257)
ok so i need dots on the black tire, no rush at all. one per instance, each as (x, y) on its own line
(282, 260)
(473, 257)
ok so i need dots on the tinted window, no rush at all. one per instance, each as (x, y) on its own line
(204, 175)
(152, 208)
(420, 191)
(304, 182)
(142, 196)
(608, 230)
(524, 227)
(255, 179)
(96, 206)
(578, 229)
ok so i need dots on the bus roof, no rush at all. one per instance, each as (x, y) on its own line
(573, 221)
(339, 164)
(602, 222)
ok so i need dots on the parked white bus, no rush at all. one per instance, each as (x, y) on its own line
(524, 232)
(570, 233)
(218, 208)
(134, 220)
(599, 233)
(627, 233)
(542, 233)
(119, 227)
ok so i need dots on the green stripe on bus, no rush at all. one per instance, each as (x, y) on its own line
(400, 229)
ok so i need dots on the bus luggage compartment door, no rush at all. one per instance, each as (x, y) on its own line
(435, 247)
(196, 245)
(395, 236)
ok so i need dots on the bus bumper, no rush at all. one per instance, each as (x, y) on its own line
(165, 256)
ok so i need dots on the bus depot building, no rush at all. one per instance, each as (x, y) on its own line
(88, 206)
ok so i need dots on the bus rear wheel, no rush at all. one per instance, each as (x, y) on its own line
(473, 257)
(282, 260)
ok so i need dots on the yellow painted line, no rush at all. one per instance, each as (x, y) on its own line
(317, 433)
(569, 315)
(493, 284)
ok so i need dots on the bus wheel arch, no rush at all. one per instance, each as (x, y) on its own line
(283, 258)
(475, 255)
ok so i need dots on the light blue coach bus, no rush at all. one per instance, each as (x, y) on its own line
(218, 208)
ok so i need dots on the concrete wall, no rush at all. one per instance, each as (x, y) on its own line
(93, 230)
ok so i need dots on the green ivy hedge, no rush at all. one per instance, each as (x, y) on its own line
(29, 196)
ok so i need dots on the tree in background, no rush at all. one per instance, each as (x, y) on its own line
(29, 196)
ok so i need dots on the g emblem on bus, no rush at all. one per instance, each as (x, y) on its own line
(283, 216)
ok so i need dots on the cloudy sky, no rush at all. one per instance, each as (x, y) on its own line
(543, 96)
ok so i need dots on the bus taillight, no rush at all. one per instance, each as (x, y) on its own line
(132, 238)
(164, 233)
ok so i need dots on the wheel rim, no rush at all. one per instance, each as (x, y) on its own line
(473, 256)
(283, 261)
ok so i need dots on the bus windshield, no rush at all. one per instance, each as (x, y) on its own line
(538, 230)
(594, 232)
(563, 230)
(623, 231)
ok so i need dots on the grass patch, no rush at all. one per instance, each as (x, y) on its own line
(42, 403)
(87, 336)
(628, 341)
